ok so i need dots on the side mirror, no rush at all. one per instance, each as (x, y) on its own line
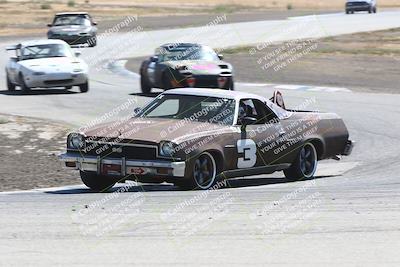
(78, 53)
(94, 23)
(247, 121)
(220, 56)
(49, 25)
(137, 111)
(154, 58)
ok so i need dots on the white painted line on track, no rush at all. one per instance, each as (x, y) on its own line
(118, 67)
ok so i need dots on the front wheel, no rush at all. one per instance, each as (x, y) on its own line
(146, 88)
(84, 87)
(25, 89)
(166, 80)
(305, 164)
(10, 85)
(92, 41)
(231, 85)
(96, 182)
(204, 173)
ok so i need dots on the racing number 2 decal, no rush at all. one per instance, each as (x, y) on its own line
(249, 150)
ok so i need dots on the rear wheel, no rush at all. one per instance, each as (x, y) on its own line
(375, 9)
(204, 173)
(146, 88)
(99, 183)
(25, 89)
(84, 87)
(10, 85)
(305, 164)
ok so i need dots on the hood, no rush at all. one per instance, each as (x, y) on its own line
(53, 64)
(69, 29)
(155, 130)
(201, 66)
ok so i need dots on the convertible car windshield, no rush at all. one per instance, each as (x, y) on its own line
(45, 50)
(194, 108)
(71, 20)
(189, 53)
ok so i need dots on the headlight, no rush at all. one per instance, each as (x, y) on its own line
(76, 141)
(166, 149)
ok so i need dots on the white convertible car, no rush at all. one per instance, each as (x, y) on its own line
(45, 64)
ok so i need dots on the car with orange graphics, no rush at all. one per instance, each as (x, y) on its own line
(178, 65)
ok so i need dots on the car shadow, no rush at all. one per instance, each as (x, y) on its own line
(38, 92)
(231, 183)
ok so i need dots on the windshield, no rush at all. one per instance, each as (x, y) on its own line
(71, 20)
(193, 108)
(46, 50)
(189, 53)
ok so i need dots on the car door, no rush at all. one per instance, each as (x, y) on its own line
(257, 144)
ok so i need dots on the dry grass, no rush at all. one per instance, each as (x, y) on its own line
(378, 43)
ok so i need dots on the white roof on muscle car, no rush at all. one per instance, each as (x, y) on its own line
(214, 93)
(42, 42)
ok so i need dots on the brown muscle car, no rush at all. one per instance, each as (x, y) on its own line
(195, 137)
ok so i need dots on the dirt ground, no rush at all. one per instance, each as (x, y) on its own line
(28, 151)
(362, 62)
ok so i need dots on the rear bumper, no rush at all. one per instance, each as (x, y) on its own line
(348, 148)
(358, 7)
(149, 167)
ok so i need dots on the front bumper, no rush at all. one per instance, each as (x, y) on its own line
(73, 39)
(56, 80)
(126, 166)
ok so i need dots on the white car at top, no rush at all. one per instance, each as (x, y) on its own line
(46, 64)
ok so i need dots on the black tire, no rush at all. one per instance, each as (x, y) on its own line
(166, 81)
(347, 12)
(305, 164)
(231, 86)
(92, 41)
(68, 87)
(375, 9)
(146, 88)
(25, 89)
(370, 10)
(10, 85)
(84, 87)
(98, 183)
(204, 164)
